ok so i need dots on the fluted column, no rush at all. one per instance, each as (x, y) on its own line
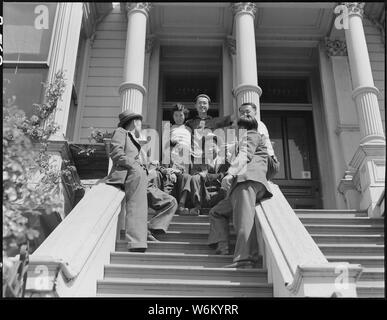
(365, 94)
(246, 89)
(368, 164)
(132, 90)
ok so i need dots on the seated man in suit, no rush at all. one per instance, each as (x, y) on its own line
(206, 178)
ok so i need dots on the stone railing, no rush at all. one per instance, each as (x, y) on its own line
(296, 266)
(70, 261)
(380, 204)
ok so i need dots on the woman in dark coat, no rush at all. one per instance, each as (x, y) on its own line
(128, 173)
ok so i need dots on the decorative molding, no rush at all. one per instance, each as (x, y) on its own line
(244, 7)
(341, 127)
(335, 47)
(130, 85)
(348, 183)
(247, 87)
(231, 45)
(365, 89)
(367, 150)
(354, 8)
(143, 7)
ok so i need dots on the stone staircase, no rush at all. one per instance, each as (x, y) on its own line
(182, 265)
(351, 236)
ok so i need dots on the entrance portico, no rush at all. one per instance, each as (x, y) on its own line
(250, 41)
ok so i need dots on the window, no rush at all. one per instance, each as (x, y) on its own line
(28, 29)
(26, 85)
(275, 90)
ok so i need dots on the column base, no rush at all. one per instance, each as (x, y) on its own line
(245, 93)
(369, 166)
(132, 95)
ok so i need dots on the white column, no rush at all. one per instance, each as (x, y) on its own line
(246, 89)
(365, 94)
(148, 53)
(227, 73)
(132, 90)
(63, 57)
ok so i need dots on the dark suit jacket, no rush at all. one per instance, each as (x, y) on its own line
(251, 162)
(125, 155)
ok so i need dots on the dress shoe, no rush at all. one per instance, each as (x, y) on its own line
(150, 237)
(222, 248)
(182, 211)
(194, 211)
(241, 265)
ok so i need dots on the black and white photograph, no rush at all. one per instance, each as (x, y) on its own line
(193, 150)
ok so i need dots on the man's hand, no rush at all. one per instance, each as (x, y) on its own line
(226, 182)
(203, 173)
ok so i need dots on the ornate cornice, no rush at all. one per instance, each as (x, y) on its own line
(244, 7)
(335, 47)
(143, 7)
(354, 8)
(231, 45)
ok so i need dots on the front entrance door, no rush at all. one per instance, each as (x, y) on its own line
(292, 135)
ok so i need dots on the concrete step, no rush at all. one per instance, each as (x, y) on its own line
(349, 249)
(372, 274)
(185, 273)
(348, 239)
(200, 227)
(181, 288)
(172, 259)
(330, 213)
(371, 289)
(173, 246)
(364, 261)
(187, 236)
(344, 229)
(342, 221)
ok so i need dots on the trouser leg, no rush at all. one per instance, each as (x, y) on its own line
(219, 217)
(183, 185)
(136, 209)
(196, 189)
(243, 199)
(165, 206)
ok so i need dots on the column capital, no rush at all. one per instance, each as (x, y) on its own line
(244, 7)
(335, 47)
(143, 7)
(354, 8)
(231, 45)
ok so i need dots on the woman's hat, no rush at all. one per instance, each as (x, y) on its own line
(127, 116)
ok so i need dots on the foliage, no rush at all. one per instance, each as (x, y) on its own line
(31, 177)
(98, 135)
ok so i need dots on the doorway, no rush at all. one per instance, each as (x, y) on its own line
(292, 135)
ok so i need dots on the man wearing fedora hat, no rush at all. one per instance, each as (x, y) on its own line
(130, 173)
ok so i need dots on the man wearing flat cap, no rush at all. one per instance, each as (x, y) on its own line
(130, 174)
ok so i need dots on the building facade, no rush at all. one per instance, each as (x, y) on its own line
(316, 71)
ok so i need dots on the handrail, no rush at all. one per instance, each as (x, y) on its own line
(77, 238)
(294, 241)
(295, 262)
(380, 203)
